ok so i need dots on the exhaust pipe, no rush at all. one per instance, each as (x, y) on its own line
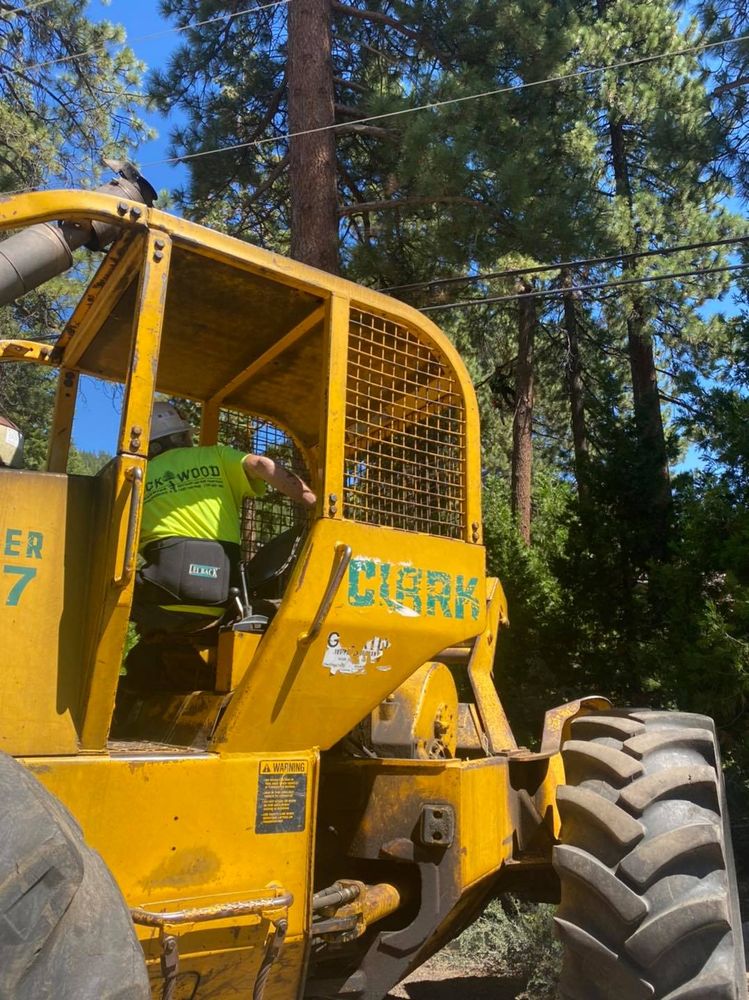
(41, 252)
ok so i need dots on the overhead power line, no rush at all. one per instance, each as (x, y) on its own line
(597, 286)
(158, 34)
(512, 272)
(433, 105)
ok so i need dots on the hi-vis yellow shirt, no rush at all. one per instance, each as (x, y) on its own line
(196, 493)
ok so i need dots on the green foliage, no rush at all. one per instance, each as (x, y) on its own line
(513, 938)
(86, 463)
(60, 116)
(26, 397)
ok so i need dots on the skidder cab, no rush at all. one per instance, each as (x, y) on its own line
(341, 792)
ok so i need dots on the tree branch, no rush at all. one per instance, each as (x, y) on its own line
(391, 22)
(370, 130)
(350, 85)
(270, 178)
(733, 85)
(376, 16)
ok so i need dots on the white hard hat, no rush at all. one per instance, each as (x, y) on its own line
(11, 444)
(165, 420)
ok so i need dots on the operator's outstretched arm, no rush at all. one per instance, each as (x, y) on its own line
(280, 478)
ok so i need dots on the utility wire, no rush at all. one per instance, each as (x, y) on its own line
(584, 262)
(433, 105)
(546, 293)
(158, 34)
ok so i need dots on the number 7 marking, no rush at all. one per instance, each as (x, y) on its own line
(26, 574)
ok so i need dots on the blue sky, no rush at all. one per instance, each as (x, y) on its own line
(98, 411)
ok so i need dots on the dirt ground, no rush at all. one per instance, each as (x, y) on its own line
(440, 979)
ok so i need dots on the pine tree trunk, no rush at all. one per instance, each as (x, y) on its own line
(312, 161)
(575, 390)
(647, 404)
(651, 439)
(522, 425)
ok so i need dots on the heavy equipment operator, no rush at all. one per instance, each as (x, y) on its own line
(190, 528)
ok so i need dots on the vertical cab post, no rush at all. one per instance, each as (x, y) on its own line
(333, 428)
(112, 576)
(62, 420)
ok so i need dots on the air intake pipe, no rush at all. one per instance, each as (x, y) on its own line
(41, 252)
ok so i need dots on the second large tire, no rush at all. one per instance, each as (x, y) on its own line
(649, 907)
(65, 929)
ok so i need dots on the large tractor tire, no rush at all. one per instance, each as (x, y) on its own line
(65, 929)
(649, 906)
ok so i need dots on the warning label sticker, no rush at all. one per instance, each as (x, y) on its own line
(281, 796)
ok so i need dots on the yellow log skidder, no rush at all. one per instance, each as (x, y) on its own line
(346, 793)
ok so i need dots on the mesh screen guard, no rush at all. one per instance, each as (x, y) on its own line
(265, 518)
(404, 449)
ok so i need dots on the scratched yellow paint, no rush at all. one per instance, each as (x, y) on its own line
(180, 831)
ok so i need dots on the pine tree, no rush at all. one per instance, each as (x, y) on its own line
(657, 149)
(68, 94)
(728, 65)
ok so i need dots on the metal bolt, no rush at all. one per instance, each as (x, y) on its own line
(159, 244)
(333, 497)
(121, 207)
(136, 431)
(136, 212)
(158, 256)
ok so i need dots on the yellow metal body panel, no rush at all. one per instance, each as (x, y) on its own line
(63, 618)
(117, 272)
(481, 672)
(479, 791)
(402, 599)
(45, 538)
(25, 350)
(234, 654)
(181, 831)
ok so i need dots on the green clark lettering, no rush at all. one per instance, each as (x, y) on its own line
(411, 591)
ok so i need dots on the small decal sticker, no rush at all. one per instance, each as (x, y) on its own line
(342, 659)
(281, 796)
(198, 569)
